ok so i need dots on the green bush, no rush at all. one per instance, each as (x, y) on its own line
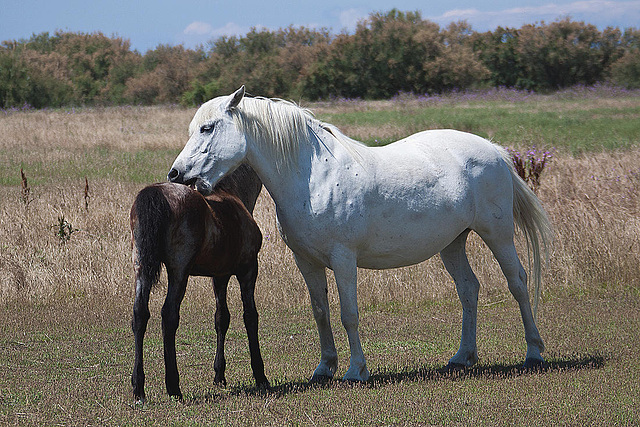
(626, 71)
(200, 93)
(389, 53)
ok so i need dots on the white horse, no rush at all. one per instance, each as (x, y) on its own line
(343, 205)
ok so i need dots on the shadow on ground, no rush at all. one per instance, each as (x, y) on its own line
(397, 375)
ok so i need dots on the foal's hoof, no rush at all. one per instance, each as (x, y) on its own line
(320, 379)
(532, 364)
(139, 403)
(263, 385)
(176, 397)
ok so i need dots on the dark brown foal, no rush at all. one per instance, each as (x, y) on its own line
(216, 236)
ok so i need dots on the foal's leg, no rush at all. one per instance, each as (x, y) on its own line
(170, 320)
(139, 325)
(455, 261)
(505, 252)
(247, 280)
(316, 280)
(222, 319)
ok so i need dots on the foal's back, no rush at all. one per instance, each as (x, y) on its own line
(232, 238)
(175, 225)
(206, 236)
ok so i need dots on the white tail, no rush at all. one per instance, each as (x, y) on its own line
(532, 220)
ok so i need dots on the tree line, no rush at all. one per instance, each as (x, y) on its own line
(389, 53)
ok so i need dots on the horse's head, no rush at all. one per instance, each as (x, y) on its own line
(216, 146)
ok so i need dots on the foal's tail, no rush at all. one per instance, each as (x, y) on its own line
(532, 220)
(150, 218)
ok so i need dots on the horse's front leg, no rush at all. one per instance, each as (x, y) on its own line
(222, 319)
(139, 326)
(345, 269)
(247, 280)
(316, 280)
(170, 321)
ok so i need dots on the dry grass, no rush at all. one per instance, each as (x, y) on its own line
(122, 128)
(67, 305)
(600, 207)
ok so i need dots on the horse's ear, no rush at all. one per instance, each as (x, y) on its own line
(235, 98)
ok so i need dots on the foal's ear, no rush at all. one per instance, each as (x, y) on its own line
(235, 98)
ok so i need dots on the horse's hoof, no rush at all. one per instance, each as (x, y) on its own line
(320, 379)
(356, 379)
(532, 364)
(356, 375)
(455, 367)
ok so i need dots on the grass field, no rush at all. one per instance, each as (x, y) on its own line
(66, 349)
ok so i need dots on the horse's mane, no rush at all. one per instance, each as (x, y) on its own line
(283, 125)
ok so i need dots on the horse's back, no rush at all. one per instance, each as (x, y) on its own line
(439, 169)
(473, 168)
(442, 148)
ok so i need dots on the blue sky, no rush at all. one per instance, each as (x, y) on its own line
(148, 23)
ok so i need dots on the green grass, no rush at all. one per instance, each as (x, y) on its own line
(139, 167)
(592, 375)
(565, 125)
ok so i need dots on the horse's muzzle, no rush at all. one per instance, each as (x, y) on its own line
(175, 176)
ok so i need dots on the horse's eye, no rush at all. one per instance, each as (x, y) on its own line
(207, 128)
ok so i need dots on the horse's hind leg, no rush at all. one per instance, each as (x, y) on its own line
(170, 320)
(504, 250)
(247, 280)
(222, 319)
(455, 261)
(139, 326)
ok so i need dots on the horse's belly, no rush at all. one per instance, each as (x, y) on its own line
(399, 248)
(407, 230)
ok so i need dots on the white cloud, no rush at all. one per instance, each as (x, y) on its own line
(198, 28)
(230, 29)
(598, 12)
(461, 13)
(198, 33)
(349, 18)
